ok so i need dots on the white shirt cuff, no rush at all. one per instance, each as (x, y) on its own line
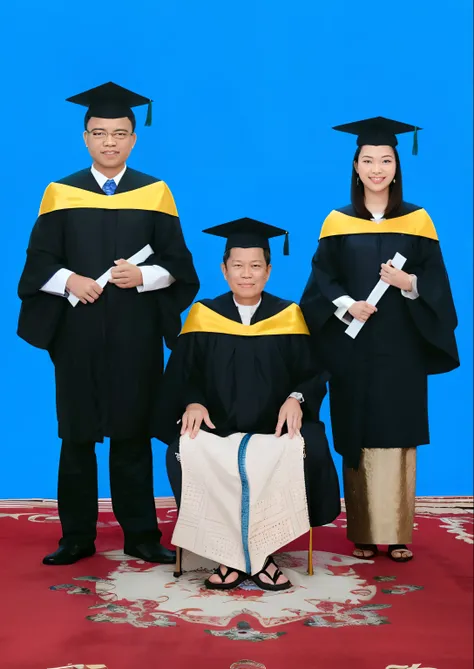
(413, 294)
(57, 283)
(154, 278)
(343, 304)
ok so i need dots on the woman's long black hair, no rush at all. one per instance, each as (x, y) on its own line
(357, 190)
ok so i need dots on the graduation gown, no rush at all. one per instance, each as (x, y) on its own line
(108, 356)
(378, 388)
(243, 375)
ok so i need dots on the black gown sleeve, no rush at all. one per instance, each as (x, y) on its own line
(434, 313)
(171, 253)
(41, 312)
(180, 386)
(310, 378)
(322, 286)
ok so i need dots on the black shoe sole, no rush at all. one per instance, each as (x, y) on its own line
(65, 564)
(171, 560)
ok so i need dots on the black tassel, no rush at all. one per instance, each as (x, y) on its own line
(286, 245)
(415, 142)
(149, 114)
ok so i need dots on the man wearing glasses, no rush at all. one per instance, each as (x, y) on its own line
(106, 278)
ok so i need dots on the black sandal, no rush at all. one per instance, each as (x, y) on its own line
(273, 587)
(399, 547)
(366, 547)
(241, 577)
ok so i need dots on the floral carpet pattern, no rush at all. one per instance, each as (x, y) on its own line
(374, 614)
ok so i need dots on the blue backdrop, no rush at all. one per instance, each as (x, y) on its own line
(245, 95)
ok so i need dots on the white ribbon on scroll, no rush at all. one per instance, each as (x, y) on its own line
(104, 279)
(380, 289)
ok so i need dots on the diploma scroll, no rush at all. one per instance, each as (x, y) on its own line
(104, 279)
(380, 289)
(81, 666)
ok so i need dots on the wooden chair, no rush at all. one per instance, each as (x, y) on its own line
(178, 571)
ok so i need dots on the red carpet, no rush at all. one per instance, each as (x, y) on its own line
(349, 615)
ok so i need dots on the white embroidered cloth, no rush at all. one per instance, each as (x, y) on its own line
(214, 511)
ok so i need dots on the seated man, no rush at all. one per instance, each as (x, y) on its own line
(249, 465)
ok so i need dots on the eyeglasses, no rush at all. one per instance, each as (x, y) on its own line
(101, 135)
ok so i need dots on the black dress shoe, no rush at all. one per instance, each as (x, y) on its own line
(151, 552)
(68, 554)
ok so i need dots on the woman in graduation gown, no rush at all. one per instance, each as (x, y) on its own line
(378, 389)
(222, 379)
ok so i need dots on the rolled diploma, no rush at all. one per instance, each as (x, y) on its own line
(380, 289)
(104, 279)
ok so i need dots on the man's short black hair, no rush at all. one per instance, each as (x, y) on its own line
(266, 255)
(130, 116)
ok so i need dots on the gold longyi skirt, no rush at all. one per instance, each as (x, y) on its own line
(380, 496)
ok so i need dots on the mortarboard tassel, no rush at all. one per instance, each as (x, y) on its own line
(149, 114)
(286, 245)
(414, 150)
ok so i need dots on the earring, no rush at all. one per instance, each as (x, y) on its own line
(394, 181)
(358, 181)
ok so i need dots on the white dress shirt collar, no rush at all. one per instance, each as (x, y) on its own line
(102, 179)
(247, 311)
(378, 217)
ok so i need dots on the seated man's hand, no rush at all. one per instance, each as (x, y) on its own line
(192, 419)
(291, 414)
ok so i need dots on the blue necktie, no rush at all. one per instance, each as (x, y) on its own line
(109, 187)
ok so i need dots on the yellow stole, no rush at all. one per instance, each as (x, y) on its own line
(287, 321)
(155, 197)
(417, 223)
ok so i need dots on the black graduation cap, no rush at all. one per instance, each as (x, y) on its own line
(380, 131)
(111, 101)
(247, 233)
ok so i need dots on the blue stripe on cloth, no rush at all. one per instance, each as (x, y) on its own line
(245, 509)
